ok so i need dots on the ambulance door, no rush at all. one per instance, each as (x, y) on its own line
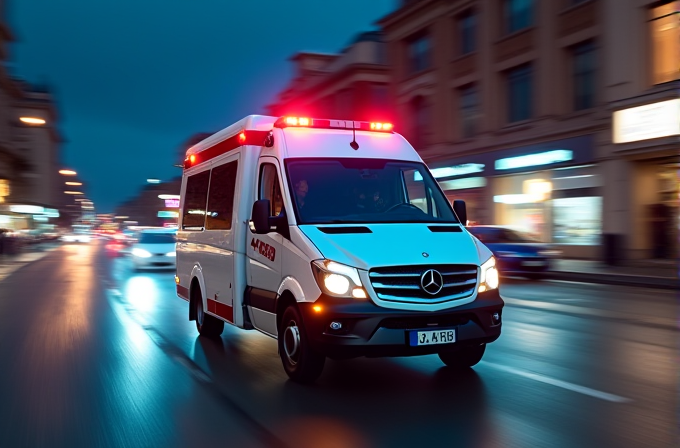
(265, 251)
(218, 250)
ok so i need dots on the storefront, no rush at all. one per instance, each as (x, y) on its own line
(551, 190)
(646, 136)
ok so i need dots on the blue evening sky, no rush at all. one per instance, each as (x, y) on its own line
(135, 78)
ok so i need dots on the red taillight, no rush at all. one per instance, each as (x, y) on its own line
(242, 138)
(192, 159)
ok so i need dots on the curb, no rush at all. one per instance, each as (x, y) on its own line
(617, 279)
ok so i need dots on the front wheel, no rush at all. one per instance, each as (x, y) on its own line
(301, 363)
(206, 324)
(463, 358)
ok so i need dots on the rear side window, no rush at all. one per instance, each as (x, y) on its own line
(270, 188)
(193, 216)
(221, 197)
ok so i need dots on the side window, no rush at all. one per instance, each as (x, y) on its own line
(221, 197)
(270, 188)
(193, 211)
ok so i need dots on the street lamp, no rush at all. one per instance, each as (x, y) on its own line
(73, 192)
(33, 121)
(67, 172)
(153, 181)
(74, 184)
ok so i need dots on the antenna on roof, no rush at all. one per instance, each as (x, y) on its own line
(354, 143)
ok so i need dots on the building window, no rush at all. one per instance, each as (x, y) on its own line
(665, 40)
(221, 197)
(194, 201)
(466, 29)
(343, 104)
(421, 122)
(518, 14)
(419, 54)
(380, 100)
(519, 93)
(469, 106)
(584, 75)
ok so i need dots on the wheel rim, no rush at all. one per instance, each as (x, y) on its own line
(199, 312)
(291, 343)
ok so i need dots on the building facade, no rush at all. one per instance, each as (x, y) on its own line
(350, 85)
(31, 191)
(547, 115)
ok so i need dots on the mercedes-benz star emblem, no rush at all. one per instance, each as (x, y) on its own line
(425, 254)
(431, 281)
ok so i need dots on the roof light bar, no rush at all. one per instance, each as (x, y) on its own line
(284, 122)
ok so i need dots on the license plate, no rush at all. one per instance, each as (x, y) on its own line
(432, 337)
(533, 263)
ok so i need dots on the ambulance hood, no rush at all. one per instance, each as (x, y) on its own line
(376, 245)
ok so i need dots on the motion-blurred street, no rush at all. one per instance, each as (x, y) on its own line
(95, 354)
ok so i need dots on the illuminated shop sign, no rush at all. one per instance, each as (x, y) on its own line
(171, 203)
(462, 184)
(541, 158)
(30, 209)
(656, 120)
(450, 171)
(167, 214)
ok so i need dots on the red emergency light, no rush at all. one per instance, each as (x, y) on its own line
(285, 122)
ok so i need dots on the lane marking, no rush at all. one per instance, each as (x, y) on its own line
(592, 312)
(559, 383)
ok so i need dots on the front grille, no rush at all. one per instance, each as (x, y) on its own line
(402, 283)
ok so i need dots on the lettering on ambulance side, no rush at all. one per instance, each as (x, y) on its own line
(264, 249)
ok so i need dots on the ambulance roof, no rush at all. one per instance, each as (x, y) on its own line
(312, 142)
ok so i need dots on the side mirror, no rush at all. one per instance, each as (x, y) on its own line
(461, 211)
(260, 216)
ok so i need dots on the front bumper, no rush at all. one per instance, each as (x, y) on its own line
(154, 262)
(373, 331)
(509, 265)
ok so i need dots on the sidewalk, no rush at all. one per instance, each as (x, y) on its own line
(10, 263)
(648, 273)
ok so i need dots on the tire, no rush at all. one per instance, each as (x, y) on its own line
(463, 358)
(206, 324)
(301, 363)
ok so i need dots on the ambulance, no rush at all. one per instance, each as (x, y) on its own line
(332, 237)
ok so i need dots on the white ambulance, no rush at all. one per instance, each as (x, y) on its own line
(333, 237)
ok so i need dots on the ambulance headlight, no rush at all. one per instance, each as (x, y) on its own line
(338, 280)
(489, 276)
(141, 253)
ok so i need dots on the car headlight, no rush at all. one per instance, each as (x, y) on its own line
(338, 280)
(489, 278)
(141, 253)
(171, 254)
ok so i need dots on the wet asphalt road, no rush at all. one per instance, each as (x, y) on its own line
(94, 354)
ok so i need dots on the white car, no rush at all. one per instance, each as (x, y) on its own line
(76, 238)
(155, 249)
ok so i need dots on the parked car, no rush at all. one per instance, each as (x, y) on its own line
(516, 252)
(76, 238)
(154, 249)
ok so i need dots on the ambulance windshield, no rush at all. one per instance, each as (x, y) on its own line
(329, 191)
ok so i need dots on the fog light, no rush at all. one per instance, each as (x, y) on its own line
(336, 325)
